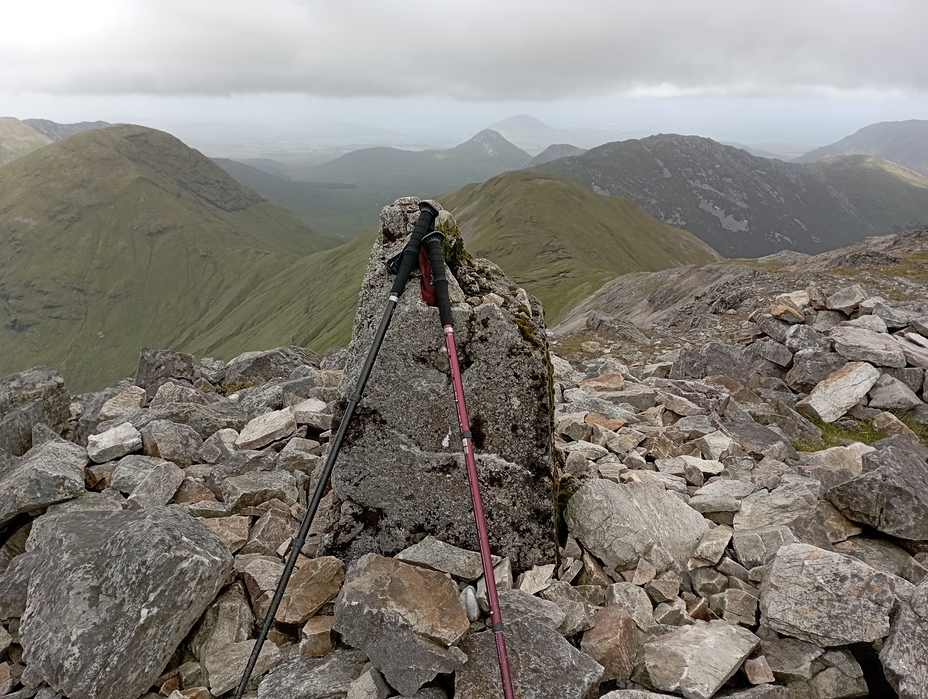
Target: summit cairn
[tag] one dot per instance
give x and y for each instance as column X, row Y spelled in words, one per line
column 401, row 473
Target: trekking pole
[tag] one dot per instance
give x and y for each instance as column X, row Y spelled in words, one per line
column 428, row 211
column 436, row 261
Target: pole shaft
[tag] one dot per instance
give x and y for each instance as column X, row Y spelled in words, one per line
column 496, row 617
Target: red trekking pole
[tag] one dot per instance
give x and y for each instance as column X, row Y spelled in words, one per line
column 436, row 262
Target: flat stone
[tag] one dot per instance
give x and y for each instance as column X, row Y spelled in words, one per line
column 825, row 598
column 405, row 618
column 712, row 546
column 314, row 583
column 254, row 488
column 327, row 677
column 158, row 486
column 869, row 322
column 437, row 555
column 772, row 327
column 772, row 351
column 839, row 392
column 697, row 660
column 790, row 659
column 113, row 443
column 891, row 495
column 889, row 393
column 48, row 473
column 516, row 604
column 535, row 580
column 122, row 405
column 759, row 440
column 862, row 345
column 539, row 659
column 266, row 428
column 224, row 666
column 131, row 470
column 618, row 523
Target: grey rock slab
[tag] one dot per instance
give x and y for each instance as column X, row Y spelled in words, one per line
column 804, row 337
column 256, row 368
column 328, row 677
column 891, row 495
column 224, row 665
column 256, row 487
column 618, row 523
column 266, row 428
column 124, row 588
column 811, row 367
column 760, row 441
column 228, row 620
column 756, row 547
column 172, row 441
column 132, row 470
column 697, row 660
column 48, row 473
column 405, row 618
column 33, row 396
column 157, row 487
column 834, row 465
column 219, row 446
column 543, row 665
column 773, row 351
column 889, row 393
column 516, row 604
column 825, row 598
column 905, row 649
column 437, row 555
column 178, row 393
column 839, row 391
column 862, row 345
column 847, row 299
column 156, row 366
column 790, row 659
column 712, row 358
column 869, row 322
column 114, row 443
column 205, row 419
column 577, row 615
column 635, row 601
column 122, row 405
column 44, row 527
column 772, row 327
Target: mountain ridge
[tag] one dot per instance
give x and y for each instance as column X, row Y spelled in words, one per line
column 903, row 142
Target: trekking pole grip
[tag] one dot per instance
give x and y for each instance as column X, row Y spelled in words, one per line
column 427, row 215
column 433, row 243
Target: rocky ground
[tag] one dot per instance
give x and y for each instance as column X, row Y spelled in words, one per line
column 743, row 517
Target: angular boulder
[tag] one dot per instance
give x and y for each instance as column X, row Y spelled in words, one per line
column 840, row 391
column 401, row 473
column 543, row 665
column 891, row 495
column 30, row 397
column 256, row 368
column 862, row 345
column 48, row 473
column 619, row 523
column 825, row 598
column 904, row 652
column 313, row 678
column 406, row 619
column 124, row 589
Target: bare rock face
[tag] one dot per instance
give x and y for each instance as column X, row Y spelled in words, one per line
column 401, row 473
column 406, row 619
column 825, row 598
column 619, row 522
column 27, row 398
column 49, row 473
column 696, row 660
column 542, row 663
column 891, row 495
column 112, row 596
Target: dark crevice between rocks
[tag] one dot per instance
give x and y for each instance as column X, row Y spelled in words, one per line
column 868, row 658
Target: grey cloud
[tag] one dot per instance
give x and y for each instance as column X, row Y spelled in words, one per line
column 480, row 50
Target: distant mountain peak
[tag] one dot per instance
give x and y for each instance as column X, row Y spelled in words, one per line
column 521, row 122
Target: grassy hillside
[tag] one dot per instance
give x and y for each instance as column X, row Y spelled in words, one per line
column 745, row 206
column 561, row 241
column 121, row 238
column 18, row 139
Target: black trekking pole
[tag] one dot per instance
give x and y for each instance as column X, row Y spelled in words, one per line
column 428, row 211
column 436, row 261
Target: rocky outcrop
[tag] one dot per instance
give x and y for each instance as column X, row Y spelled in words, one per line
column 401, row 472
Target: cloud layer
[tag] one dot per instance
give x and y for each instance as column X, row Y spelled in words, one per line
column 474, row 50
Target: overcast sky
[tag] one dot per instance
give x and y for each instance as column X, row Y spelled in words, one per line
column 760, row 71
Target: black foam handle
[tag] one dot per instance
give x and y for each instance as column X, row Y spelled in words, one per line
column 439, row 280
column 427, row 215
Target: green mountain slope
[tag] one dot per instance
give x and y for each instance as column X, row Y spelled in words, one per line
column 18, row 139
column 123, row 237
column 903, row 142
column 561, row 241
column 745, row 206
column 371, row 178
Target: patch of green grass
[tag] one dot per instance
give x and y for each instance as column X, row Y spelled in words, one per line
column 837, row 435
column 918, row 428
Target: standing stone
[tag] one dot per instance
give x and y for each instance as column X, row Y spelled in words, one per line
column 839, row 392
column 156, row 366
column 825, row 598
column 27, row 398
column 696, row 660
column 124, row 589
column 406, row 619
column 890, row 496
column 400, row 472
column 49, row 473
column 542, row 663
column 619, row 523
